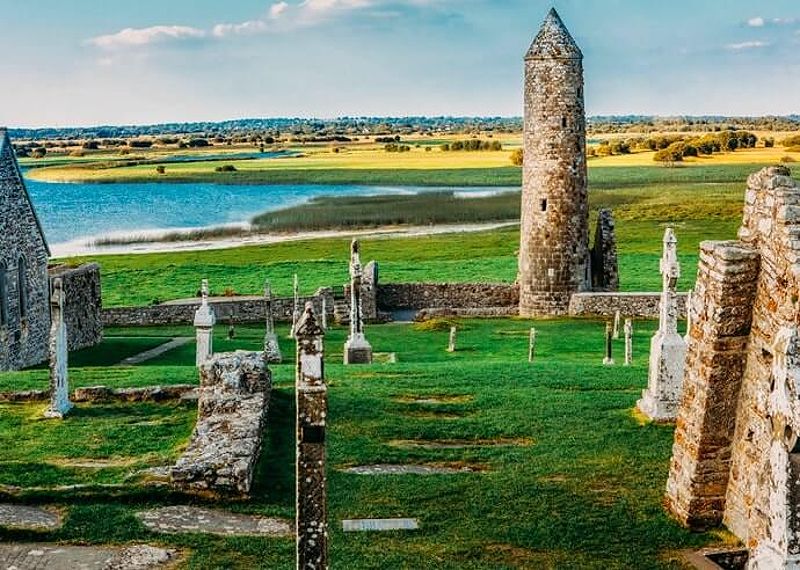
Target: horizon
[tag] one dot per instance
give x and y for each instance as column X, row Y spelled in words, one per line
column 198, row 61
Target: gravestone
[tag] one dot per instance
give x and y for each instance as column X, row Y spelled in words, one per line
column 532, row 345
column 272, row 350
column 295, row 305
column 617, row 318
column 59, row 353
column 312, row 412
column 379, row 525
column 204, row 321
column 689, row 317
column 667, row 349
column 609, row 358
column 451, row 344
column 357, row 349
column 628, row 342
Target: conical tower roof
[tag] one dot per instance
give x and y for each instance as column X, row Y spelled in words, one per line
column 554, row 41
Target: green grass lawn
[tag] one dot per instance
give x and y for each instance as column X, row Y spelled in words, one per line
column 582, row 489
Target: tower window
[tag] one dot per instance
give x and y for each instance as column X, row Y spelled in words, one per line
column 580, row 91
column 563, row 122
column 544, row 205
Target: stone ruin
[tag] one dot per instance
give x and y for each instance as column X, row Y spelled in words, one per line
column 235, row 390
column 736, row 455
column 555, row 261
column 357, row 349
column 59, row 354
column 312, row 417
column 667, row 349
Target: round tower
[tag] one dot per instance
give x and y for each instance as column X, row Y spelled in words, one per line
column 554, row 238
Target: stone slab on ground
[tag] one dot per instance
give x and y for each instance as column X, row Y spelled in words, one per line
column 186, row 519
column 379, row 525
column 390, row 469
column 30, row 518
column 39, row 556
column 156, row 352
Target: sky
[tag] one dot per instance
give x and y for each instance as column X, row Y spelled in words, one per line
column 90, row 62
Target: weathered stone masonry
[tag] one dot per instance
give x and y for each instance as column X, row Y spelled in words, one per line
column 83, row 299
column 24, row 286
column 734, row 456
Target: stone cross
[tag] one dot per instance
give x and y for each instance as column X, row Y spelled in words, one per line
column 356, row 350
column 628, row 342
column 312, row 412
column 451, row 345
column 59, row 375
column 667, row 349
column 617, row 318
column 609, row 358
column 272, row 349
column 204, row 321
column 295, row 305
column 532, row 345
column 324, row 312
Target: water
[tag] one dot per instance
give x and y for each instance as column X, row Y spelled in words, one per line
column 71, row 212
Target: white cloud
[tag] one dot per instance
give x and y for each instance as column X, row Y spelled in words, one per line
column 747, row 45
column 133, row 37
column 760, row 22
column 757, row 22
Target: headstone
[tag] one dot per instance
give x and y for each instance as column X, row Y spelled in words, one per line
column 609, row 358
column 689, row 301
column 295, row 305
column 667, row 349
column 231, row 332
column 617, row 318
column 628, row 342
column 204, row 321
column 312, row 412
column 451, row 345
column 532, row 345
column 357, row 349
column 324, row 312
column 379, row 525
column 272, row 349
column 59, row 374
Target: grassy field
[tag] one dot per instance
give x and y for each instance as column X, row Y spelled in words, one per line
column 701, row 203
column 578, row 483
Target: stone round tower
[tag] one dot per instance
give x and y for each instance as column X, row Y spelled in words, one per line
column 554, row 240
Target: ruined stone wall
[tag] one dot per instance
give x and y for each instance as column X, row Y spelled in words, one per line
column 554, row 235
column 637, row 305
column 731, row 448
column 241, row 310
column 605, row 270
column 83, row 304
column 224, row 448
column 716, row 353
column 445, row 295
column 23, row 337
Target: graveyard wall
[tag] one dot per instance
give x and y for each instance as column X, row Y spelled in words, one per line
column 445, row 295
column 83, row 303
column 638, row 305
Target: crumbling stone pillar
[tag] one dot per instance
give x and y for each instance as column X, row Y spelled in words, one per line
column 312, row 414
column 204, row 321
column 605, row 267
column 357, row 349
column 722, row 305
column 667, row 349
column 59, row 374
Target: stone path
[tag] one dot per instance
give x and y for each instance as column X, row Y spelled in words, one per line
column 156, row 352
column 184, row 519
column 389, row 469
column 31, row 518
column 379, row 525
column 43, row 556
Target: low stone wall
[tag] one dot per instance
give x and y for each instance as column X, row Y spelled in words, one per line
column 480, row 313
column 233, row 310
column 400, row 296
column 637, row 305
column 232, row 411
column 83, row 304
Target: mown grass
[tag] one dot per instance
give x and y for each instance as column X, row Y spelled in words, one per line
column 584, row 491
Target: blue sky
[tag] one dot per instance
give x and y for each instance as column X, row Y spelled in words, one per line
column 83, row 62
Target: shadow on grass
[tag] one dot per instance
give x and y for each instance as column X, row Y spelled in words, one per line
column 274, row 476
